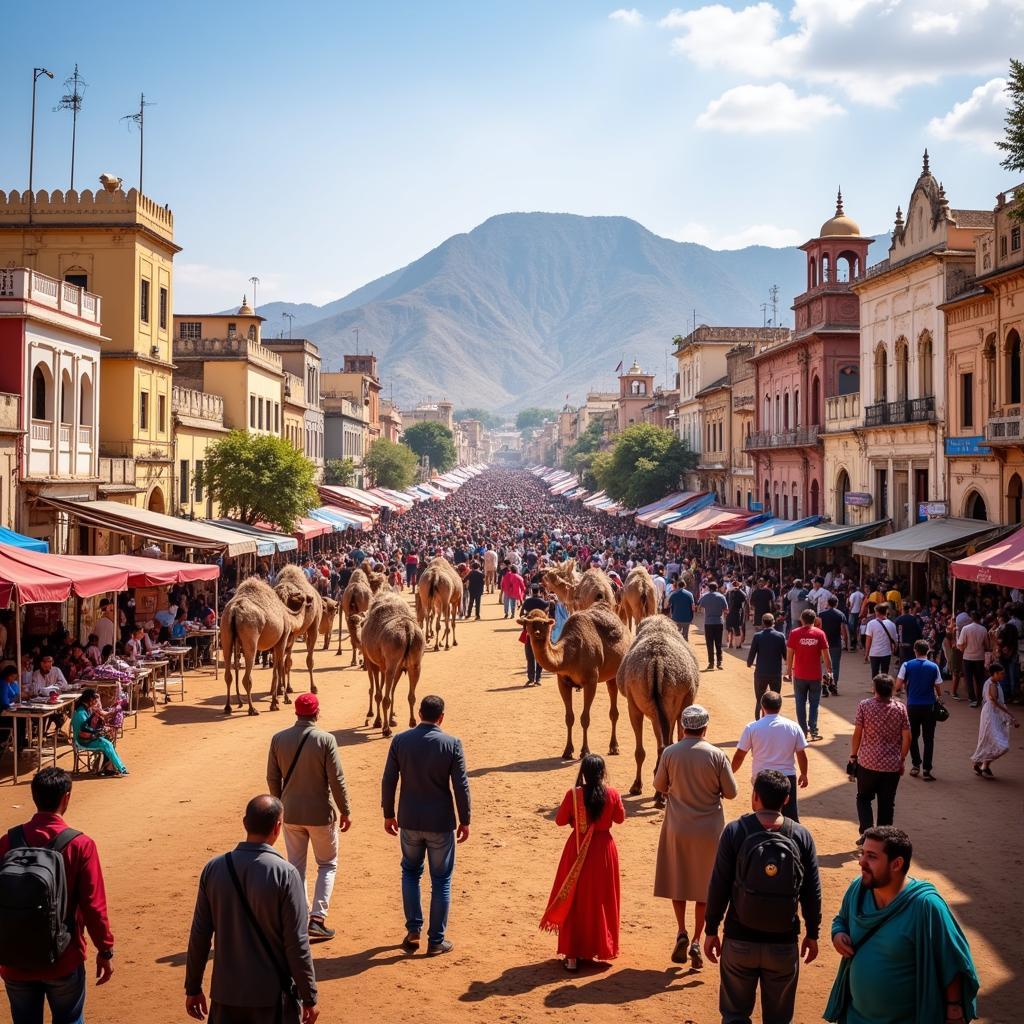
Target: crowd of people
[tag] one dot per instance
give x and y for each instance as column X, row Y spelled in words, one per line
column 754, row 883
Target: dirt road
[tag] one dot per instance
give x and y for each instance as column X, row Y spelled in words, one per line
column 193, row 770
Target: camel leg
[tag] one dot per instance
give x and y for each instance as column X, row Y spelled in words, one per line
column 455, row 643
column 378, row 691
column 636, row 719
column 589, row 693
column 310, row 648
column 351, row 635
column 565, row 692
column 228, row 654
column 613, row 715
column 390, row 683
column 250, row 657
column 413, row 671
column 369, row 704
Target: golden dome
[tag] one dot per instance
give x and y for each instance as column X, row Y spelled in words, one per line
column 840, row 224
column 245, row 309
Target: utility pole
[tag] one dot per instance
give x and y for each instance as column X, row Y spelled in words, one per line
column 139, row 118
column 773, row 297
column 36, row 72
column 290, row 317
column 355, row 331
column 72, row 100
column 254, row 281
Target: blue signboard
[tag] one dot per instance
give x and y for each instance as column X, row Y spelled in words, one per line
column 966, row 446
column 756, row 506
column 858, row 498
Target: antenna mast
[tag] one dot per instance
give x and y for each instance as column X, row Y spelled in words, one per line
column 72, row 100
column 773, row 298
column 139, row 118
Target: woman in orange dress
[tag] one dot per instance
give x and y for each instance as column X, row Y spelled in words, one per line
column 584, row 903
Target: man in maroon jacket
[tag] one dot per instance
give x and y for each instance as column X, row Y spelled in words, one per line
column 63, row 984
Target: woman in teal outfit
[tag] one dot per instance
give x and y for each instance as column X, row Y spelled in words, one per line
column 905, row 959
column 88, row 730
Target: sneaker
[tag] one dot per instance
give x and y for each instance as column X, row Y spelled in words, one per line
column 815, row 735
column 696, row 957
column 436, row 949
column 679, row 950
column 411, row 941
column 928, row 777
column 915, row 771
column 318, row 931
column 973, row 704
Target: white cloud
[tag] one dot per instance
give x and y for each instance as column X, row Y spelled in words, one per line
column 870, row 49
column 758, row 109
column 756, row 234
column 627, row 16
column 979, row 119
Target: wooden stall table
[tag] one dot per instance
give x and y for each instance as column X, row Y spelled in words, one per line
column 37, row 713
column 174, row 654
column 200, row 634
column 152, row 667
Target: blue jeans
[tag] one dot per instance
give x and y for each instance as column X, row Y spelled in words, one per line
column 66, row 997
column 439, row 850
column 836, row 654
column 853, row 624
column 509, row 606
column 807, row 691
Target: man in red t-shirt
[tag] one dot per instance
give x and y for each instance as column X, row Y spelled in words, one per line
column 62, row 985
column 806, row 650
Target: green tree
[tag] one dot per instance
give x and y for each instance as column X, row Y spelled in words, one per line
column 488, row 419
column 533, row 417
column 1013, row 142
column 433, row 440
column 390, row 464
column 260, row 478
column 340, row 472
column 579, row 456
column 646, row 463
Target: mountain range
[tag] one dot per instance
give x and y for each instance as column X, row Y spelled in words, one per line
column 529, row 307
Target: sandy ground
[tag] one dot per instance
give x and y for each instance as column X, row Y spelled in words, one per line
column 193, row 770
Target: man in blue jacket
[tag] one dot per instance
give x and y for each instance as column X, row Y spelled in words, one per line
column 432, row 767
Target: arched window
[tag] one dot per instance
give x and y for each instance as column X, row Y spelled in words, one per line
column 796, row 501
column 738, row 505
column 785, row 411
column 776, row 498
column 849, row 379
column 814, row 498
column 796, row 407
column 42, row 397
column 156, row 500
column 1013, row 368
column 785, row 505
column 767, row 497
column 1013, row 499
column 766, row 423
column 778, row 413
column 826, row 268
column 815, row 410
column 67, row 398
column 812, row 273
column 974, row 506
column 926, row 365
column 847, row 266
column 85, row 401
column 902, row 362
column 252, row 332
column 881, row 375
column 842, row 489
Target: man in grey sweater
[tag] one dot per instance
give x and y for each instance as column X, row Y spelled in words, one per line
column 263, row 967
column 304, row 771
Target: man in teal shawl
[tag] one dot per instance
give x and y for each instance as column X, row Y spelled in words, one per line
column 905, row 959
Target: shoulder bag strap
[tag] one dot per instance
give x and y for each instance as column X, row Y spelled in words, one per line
column 62, row 840
column 282, row 976
column 16, row 837
column 893, row 640
column 874, row 928
column 295, row 760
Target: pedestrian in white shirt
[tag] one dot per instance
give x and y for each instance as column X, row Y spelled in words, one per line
column 973, row 640
column 775, row 743
column 854, row 604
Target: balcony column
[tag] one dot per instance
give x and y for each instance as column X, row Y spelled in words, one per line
column 76, row 413
column 890, row 505
column 55, row 416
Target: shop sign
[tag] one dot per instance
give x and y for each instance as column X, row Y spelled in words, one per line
column 858, row 498
column 756, row 506
column 932, row 509
column 966, row 446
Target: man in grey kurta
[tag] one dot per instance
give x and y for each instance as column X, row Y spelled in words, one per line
column 310, row 755
column 694, row 776
column 247, row 983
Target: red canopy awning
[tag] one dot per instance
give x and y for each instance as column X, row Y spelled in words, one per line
column 1002, row 563
column 710, row 522
column 307, row 529
column 44, row 578
column 151, row 572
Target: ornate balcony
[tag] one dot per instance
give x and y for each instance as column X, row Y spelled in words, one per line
column 907, row 410
column 1006, row 429
column 842, row 412
column 802, row 437
column 741, row 461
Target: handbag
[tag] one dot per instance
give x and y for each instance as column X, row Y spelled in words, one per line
column 940, row 712
column 524, row 637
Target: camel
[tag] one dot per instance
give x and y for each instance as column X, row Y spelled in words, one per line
column 439, row 595
column 392, row 643
column 592, row 644
column 659, row 677
column 291, row 580
column 638, row 597
column 256, row 620
column 327, row 622
column 354, row 601
column 562, row 581
column 578, row 592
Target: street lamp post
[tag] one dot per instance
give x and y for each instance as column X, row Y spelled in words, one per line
column 36, row 72
column 254, row 281
column 290, row 317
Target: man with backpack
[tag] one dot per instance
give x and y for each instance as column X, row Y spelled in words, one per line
column 51, row 892
column 766, row 869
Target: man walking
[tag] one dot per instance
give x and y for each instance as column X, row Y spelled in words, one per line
column 923, row 682
column 680, row 607
column 29, row 975
column 475, row 590
column 766, row 868
column 252, row 899
column 833, row 625
column 534, row 603
column 973, row 641
column 807, row 649
column 881, row 641
column 304, row 771
column 513, row 590
column 878, row 751
column 854, row 603
column 913, row 962
column 767, row 654
column 714, row 606
column 775, row 744
column 432, row 767
column 762, row 600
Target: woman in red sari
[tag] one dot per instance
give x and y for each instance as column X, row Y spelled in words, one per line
column 584, row 903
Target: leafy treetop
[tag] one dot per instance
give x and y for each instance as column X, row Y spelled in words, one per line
column 533, row 417
column 433, row 440
column 389, row 464
column 646, row 463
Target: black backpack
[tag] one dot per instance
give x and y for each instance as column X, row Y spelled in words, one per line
column 35, row 922
column 769, row 874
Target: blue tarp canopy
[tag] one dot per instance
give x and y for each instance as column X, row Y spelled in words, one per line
column 697, row 505
column 268, row 542
column 743, row 542
column 823, row 535
column 333, row 517
column 18, row 540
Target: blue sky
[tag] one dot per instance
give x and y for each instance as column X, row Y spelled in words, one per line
column 320, row 145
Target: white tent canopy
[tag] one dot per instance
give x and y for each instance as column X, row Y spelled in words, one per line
column 914, row 543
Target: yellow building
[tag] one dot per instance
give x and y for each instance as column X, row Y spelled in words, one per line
column 222, row 354
column 119, row 245
column 198, row 423
column 302, row 408
column 10, row 441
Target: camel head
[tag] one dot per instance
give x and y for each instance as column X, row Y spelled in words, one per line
column 355, row 625
column 293, row 598
column 376, row 580
column 330, row 610
column 537, row 624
